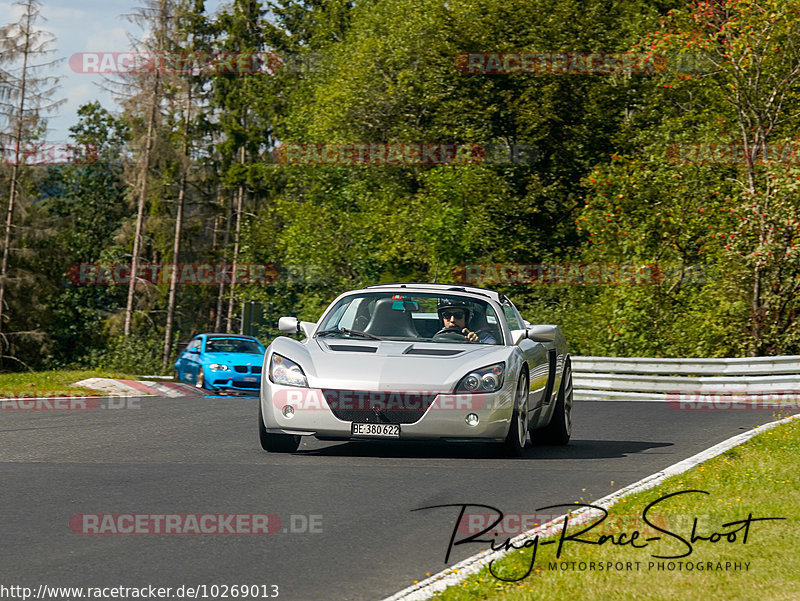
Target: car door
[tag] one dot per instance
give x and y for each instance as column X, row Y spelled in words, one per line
column 180, row 364
column 192, row 359
column 541, row 362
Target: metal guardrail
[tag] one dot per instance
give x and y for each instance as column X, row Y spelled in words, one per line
column 747, row 366
column 647, row 379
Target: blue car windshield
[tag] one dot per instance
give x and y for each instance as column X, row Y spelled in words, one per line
column 424, row 317
column 232, row 345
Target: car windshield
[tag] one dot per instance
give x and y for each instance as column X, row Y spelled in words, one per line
column 232, row 345
column 424, row 317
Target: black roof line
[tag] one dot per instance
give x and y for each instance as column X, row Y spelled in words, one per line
column 453, row 287
column 224, row 335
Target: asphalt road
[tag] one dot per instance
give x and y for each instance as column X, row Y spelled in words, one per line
column 201, row 455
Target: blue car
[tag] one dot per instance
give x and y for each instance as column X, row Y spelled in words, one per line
column 221, row 362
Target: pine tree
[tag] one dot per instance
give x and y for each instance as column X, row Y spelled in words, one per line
column 155, row 15
column 26, row 96
column 194, row 30
column 241, row 31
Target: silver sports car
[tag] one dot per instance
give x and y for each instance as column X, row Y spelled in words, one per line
column 417, row 362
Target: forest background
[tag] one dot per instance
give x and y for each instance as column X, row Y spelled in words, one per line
column 686, row 168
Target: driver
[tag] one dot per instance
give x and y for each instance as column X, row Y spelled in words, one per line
column 455, row 313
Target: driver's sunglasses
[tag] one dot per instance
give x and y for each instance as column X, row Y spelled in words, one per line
column 456, row 314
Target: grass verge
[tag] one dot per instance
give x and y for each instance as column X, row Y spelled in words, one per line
column 758, row 478
column 52, row 383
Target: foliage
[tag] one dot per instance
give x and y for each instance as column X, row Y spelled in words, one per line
column 738, row 220
column 607, row 179
column 130, row 354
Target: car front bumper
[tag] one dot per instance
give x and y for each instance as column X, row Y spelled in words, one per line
column 227, row 381
column 444, row 419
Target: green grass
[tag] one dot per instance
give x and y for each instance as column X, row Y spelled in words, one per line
column 758, row 477
column 52, row 383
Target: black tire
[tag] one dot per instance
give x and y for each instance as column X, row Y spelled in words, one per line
column 517, row 437
column 175, row 375
column 559, row 430
column 275, row 443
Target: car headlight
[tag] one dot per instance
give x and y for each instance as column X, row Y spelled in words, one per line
column 219, row 367
column 284, row 371
column 485, row 379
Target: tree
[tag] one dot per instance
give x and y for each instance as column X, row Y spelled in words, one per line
column 26, row 96
column 85, row 206
column 155, row 13
column 710, row 189
column 237, row 100
column 755, row 50
column 194, row 31
column 386, row 73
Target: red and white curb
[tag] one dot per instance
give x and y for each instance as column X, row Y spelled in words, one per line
column 425, row 589
column 116, row 387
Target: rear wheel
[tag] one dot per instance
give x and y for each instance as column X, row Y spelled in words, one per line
column 559, row 429
column 275, row 443
column 517, row 436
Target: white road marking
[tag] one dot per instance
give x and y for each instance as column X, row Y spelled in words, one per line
column 425, row 589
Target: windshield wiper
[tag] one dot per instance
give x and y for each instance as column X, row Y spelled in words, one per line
column 349, row 333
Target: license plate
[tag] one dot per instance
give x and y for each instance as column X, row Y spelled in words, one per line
column 376, row 430
column 250, row 379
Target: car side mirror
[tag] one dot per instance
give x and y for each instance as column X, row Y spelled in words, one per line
column 289, row 325
column 194, row 351
column 537, row 333
column 541, row 333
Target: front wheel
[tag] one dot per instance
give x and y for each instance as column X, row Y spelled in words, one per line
column 517, row 437
column 275, row 443
column 559, row 430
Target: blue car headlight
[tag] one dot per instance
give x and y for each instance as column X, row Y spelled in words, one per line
column 485, row 379
column 285, row 371
column 219, row 367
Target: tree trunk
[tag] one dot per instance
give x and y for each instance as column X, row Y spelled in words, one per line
column 176, row 243
column 6, row 247
column 756, row 308
column 12, row 196
column 140, row 209
column 144, row 180
column 221, row 292
column 236, row 240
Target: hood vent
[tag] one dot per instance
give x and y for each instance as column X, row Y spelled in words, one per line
column 353, row 348
column 434, row 352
